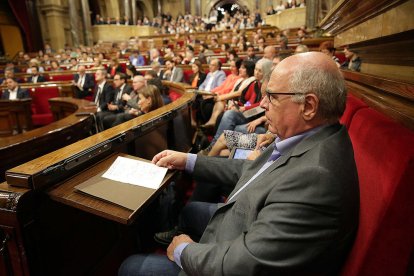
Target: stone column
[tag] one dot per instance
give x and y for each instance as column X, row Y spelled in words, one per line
column 74, row 26
column 87, row 25
column 159, row 7
column 134, row 12
column 55, row 17
column 312, row 10
column 127, row 9
column 198, row 8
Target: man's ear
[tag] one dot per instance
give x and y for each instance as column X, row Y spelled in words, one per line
column 310, row 106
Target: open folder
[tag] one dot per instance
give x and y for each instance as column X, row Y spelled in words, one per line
column 130, row 196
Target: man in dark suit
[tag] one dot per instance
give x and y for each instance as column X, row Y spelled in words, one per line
column 102, row 96
column 13, row 91
column 294, row 210
column 121, row 87
column 36, row 77
column 82, row 83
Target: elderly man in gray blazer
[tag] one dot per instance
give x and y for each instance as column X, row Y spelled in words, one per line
column 294, row 210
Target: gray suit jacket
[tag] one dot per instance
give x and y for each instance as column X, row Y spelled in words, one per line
column 177, row 76
column 298, row 217
column 219, row 77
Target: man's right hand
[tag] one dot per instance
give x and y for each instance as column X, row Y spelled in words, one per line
column 170, row 159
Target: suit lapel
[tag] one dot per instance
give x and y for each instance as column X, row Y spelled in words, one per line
column 305, row 145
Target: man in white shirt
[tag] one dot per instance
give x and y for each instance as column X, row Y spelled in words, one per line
column 13, row 91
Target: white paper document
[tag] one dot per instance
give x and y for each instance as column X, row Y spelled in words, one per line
column 136, row 172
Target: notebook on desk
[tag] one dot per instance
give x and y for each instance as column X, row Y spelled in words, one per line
column 113, row 184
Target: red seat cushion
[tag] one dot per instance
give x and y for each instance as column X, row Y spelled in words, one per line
column 384, row 155
column 40, row 104
column 174, row 95
column 352, row 105
column 187, row 75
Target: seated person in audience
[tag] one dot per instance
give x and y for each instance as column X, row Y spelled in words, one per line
column 121, row 87
column 156, row 66
column 131, row 71
column 172, row 72
column 168, row 53
column 204, row 53
column 11, row 65
column 269, row 52
column 55, row 67
column 46, row 59
column 73, row 64
column 353, row 61
column 251, row 56
column 294, row 210
column 189, row 57
column 83, row 83
column 214, row 78
column 114, row 68
column 301, row 35
column 155, row 57
column 35, row 62
column 241, row 77
column 152, row 78
column 35, row 76
column 8, row 73
column 198, row 76
column 230, row 139
column 103, row 94
column 130, row 104
column 248, row 99
column 149, row 98
column 14, row 91
column 301, row 49
column 136, row 59
column 327, row 47
column 85, row 58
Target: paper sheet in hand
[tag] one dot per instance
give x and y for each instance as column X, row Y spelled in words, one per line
column 136, row 172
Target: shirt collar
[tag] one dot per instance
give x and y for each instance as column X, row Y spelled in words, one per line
column 102, row 85
column 284, row 146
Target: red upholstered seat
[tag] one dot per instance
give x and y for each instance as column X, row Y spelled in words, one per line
column 187, row 75
column 42, row 114
column 174, row 95
column 384, row 154
column 353, row 104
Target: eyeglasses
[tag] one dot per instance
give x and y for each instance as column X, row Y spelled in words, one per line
column 271, row 95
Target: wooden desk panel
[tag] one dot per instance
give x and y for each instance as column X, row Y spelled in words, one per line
column 67, row 194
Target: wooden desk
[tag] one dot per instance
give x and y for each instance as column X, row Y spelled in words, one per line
column 67, row 194
column 18, row 149
column 15, row 116
column 37, row 221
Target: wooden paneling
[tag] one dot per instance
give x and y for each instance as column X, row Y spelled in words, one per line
column 393, row 98
column 15, row 150
column 15, row 116
column 395, row 49
column 349, row 13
